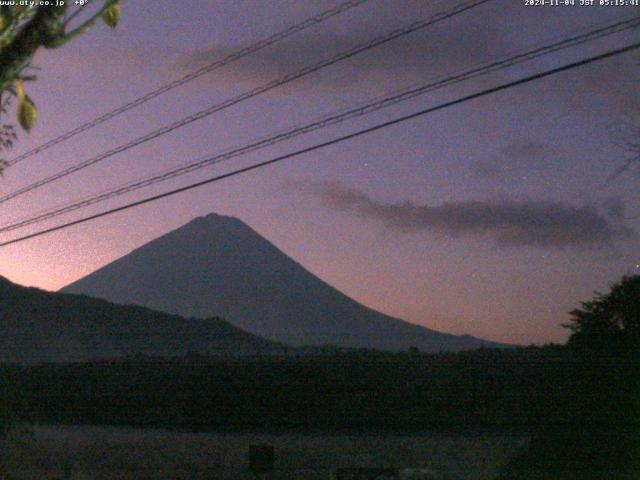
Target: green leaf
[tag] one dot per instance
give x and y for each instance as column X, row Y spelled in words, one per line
column 19, row 90
column 111, row 15
column 27, row 113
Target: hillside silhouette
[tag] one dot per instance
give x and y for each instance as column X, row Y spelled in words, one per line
column 40, row 326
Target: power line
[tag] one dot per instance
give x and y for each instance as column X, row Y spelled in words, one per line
column 309, row 22
column 354, row 112
column 382, row 102
column 334, row 141
column 398, row 33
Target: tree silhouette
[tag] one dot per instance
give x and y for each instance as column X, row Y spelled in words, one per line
column 591, row 433
column 609, row 322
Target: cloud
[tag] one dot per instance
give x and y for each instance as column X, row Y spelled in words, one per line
column 517, row 156
column 421, row 55
column 528, row 223
column 584, row 93
column 525, row 148
column 451, row 46
column 614, row 206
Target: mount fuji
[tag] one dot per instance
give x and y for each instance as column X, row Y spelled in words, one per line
column 219, row 266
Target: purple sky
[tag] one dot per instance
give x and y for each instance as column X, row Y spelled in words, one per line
column 491, row 218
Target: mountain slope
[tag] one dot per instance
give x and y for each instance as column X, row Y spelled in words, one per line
column 217, row 265
column 40, row 326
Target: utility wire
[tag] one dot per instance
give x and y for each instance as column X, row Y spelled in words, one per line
column 482, row 93
column 321, row 17
column 398, row 33
column 354, row 112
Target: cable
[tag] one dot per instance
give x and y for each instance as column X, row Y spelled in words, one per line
column 321, row 17
column 334, row 141
column 252, row 93
column 381, row 102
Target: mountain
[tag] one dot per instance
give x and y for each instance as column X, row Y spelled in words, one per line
column 40, row 326
column 217, row 265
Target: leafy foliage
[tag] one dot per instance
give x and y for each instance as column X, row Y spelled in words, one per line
column 7, row 137
column 111, row 15
column 610, row 321
column 26, row 109
column 23, row 30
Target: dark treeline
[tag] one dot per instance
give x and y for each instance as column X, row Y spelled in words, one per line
column 525, row 388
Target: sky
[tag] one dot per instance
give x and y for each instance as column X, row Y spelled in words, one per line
column 494, row 217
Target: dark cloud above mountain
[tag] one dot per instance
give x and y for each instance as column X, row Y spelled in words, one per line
column 526, row 148
column 418, row 56
column 530, row 223
column 519, row 156
column 448, row 48
column 614, row 206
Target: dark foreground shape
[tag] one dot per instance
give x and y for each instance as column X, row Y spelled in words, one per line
column 358, row 473
column 597, row 426
column 39, row 326
column 261, row 459
column 578, row 454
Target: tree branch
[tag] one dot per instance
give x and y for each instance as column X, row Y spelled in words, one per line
column 64, row 38
column 18, row 53
column 73, row 15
